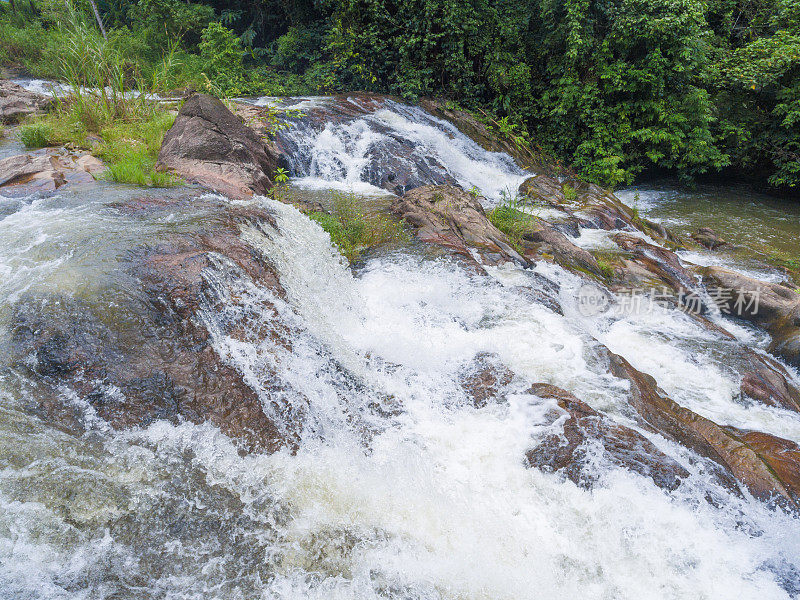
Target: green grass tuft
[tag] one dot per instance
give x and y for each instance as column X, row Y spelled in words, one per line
column 37, row 135
column 510, row 218
column 131, row 150
column 606, row 270
column 353, row 230
column 570, row 193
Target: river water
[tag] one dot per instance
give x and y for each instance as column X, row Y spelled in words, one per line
column 435, row 500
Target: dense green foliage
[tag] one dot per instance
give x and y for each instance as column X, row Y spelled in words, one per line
column 109, row 110
column 615, row 89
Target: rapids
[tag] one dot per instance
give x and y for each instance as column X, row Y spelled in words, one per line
column 399, row 487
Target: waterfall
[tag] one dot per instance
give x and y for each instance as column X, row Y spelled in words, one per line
column 398, row 485
column 357, row 146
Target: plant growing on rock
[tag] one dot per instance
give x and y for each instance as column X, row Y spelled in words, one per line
column 570, row 193
column 130, row 149
column 510, row 217
column 354, row 229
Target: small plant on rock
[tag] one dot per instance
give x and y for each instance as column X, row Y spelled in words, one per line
column 511, row 218
column 353, row 229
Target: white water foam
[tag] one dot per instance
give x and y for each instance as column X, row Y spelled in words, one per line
column 341, row 152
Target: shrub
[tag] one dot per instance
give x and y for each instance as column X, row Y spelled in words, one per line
column 570, row 193
column 223, row 55
column 161, row 22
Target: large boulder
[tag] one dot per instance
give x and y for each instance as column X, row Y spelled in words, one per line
column 772, row 306
column 211, row 146
column 585, row 430
column 153, row 356
column 451, row 217
column 16, row 102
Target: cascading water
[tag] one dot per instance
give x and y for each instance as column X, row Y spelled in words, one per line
column 356, row 145
column 399, row 486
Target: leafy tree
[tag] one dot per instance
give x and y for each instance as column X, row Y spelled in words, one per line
column 223, row 54
column 161, row 21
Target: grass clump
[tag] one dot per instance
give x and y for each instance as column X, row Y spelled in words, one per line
column 606, row 269
column 131, row 149
column 510, row 217
column 37, row 135
column 570, row 193
column 353, row 230
column 109, row 110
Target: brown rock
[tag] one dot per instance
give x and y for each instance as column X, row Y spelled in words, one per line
column 16, row 102
column 449, row 216
column 769, row 385
column 543, row 238
column 209, row 145
column 707, row 237
column 758, row 471
column 542, row 189
column 23, row 167
column 158, row 362
column 665, row 272
column 621, row 445
column 485, row 378
column 89, row 163
column 46, row 170
column 773, row 306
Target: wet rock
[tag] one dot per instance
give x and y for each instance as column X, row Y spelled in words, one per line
column 770, row 387
column 394, row 163
column 708, row 238
column 485, row 378
column 543, row 190
column 664, row 271
column 210, row 146
column 542, row 238
column 569, row 228
column 544, row 292
column 782, row 456
column 586, row 430
column 307, row 207
column 601, row 209
column 451, row 217
column 152, row 357
column 16, row 102
column 772, row 306
column 485, row 136
column 757, row 466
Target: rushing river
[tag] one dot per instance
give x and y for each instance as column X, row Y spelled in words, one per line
column 432, row 500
